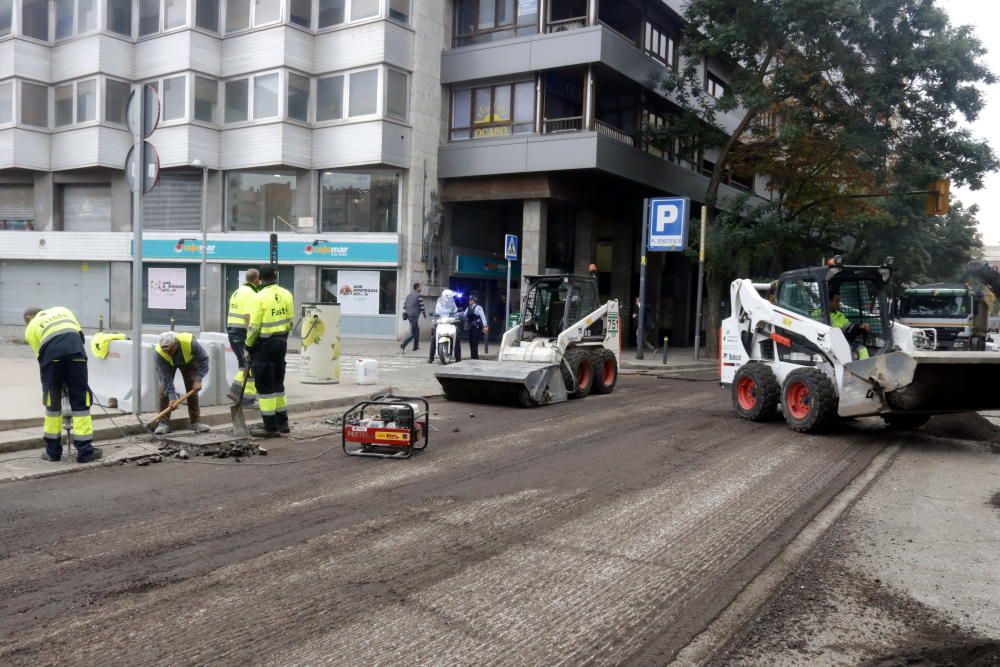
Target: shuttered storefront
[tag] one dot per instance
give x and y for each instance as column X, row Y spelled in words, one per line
column 17, row 206
column 175, row 203
column 86, row 208
column 83, row 287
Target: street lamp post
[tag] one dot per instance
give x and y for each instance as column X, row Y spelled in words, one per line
column 202, row 300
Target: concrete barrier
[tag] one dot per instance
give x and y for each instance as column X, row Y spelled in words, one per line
column 227, row 350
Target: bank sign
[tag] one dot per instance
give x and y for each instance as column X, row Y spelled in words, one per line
column 668, row 223
column 312, row 251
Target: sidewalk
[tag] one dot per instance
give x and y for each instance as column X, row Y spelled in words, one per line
column 678, row 358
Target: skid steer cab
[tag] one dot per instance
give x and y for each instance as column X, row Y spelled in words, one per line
column 822, row 344
column 566, row 346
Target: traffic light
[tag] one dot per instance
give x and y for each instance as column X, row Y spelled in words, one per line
column 939, row 197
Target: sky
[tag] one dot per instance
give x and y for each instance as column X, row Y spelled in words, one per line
column 982, row 14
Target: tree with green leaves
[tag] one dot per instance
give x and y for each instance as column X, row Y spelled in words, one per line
column 829, row 100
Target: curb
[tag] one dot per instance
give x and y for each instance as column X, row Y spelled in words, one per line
column 105, row 429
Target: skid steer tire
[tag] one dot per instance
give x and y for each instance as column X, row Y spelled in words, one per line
column 905, row 422
column 808, row 400
column 756, row 392
column 605, row 367
column 579, row 383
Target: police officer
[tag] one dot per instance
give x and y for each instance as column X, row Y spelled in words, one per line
column 267, row 342
column 180, row 351
column 240, row 304
column 476, row 318
column 56, row 339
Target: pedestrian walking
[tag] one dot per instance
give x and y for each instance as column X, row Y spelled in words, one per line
column 56, row 338
column 649, row 324
column 237, row 323
column 267, row 343
column 476, row 318
column 180, row 351
column 413, row 309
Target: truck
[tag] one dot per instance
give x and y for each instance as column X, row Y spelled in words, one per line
column 948, row 308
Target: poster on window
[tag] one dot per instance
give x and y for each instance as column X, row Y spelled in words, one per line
column 168, row 289
column 357, row 292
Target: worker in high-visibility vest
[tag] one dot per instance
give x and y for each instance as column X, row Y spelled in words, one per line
column 267, row 343
column 180, row 351
column 56, row 338
column 237, row 323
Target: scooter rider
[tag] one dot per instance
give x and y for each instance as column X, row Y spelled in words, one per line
column 445, row 307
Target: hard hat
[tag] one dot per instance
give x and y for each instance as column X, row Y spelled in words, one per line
column 167, row 338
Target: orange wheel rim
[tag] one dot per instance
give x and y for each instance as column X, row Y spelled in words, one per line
column 609, row 372
column 746, row 392
column 799, row 400
column 584, row 375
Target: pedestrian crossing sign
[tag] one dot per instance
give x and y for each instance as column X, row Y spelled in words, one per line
column 510, row 247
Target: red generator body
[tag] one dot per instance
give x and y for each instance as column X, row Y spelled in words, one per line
column 387, row 427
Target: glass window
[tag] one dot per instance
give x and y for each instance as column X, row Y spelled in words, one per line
column 359, row 201
column 120, row 17
column 364, row 93
column 331, row 12
column 461, row 114
column 524, row 108
column 330, row 98
column 174, row 13
column 265, row 96
column 801, row 296
column 301, row 12
column 362, row 9
column 34, row 104
column 715, row 86
column 395, row 97
column 501, row 104
column 6, row 16
column 187, row 316
column 487, row 14
column 298, row 97
column 35, row 19
column 6, row 102
column 149, row 17
column 256, row 200
column 115, row 100
column 237, row 15
column 505, row 12
column 490, row 20
column 175, row 202
column 64, row 105
column 399, row 10
column 207, row 15
column 206, row 99
column 328, row 281
column 86, row 101
column 173, row 98
column 237, row 100
column 86, row 16
column 266, row 11
column 64, row 18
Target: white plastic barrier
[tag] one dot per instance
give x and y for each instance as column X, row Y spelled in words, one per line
column 111, row 378
column 231, row 366
column 215, row 386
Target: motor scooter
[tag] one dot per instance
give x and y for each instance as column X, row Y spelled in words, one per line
column 446, row 333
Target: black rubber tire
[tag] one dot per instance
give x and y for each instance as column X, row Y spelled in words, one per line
column 820, row 406
column 765, row 392
column 605, row 367
column 905, row 422
column 579, row 385
column 442, row 354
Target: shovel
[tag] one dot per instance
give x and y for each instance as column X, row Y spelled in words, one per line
column 170, row 409
column 240, row 429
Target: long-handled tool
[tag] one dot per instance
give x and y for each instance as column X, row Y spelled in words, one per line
column 170, row 408
column 240, row 429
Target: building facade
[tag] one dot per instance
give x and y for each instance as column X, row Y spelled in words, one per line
column 385, row 141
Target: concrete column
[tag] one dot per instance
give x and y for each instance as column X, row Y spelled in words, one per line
column 121, row 203
column 543, row 15
column 215, row 210
column 120, row 305
column 624, row 264
column 592, row 12
column 215, row 297
column 534, row 230
column 589, row 101
column 306, row 286
column 44, row 198
column 584, row 253
column 539, row 104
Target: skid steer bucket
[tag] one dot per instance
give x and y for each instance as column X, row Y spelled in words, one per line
column 512, row 382
column 934, row 381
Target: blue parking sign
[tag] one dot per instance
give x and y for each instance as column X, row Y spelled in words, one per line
column 668, row 224
column 510, row 247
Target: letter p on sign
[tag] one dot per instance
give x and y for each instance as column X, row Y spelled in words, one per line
column 668, row 223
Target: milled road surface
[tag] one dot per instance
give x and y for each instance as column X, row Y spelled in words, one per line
column 607, row 530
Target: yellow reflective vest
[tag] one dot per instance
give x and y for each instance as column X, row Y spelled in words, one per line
column 48, row 323
column 272, row 314
column 240, row 305
column 185, row 340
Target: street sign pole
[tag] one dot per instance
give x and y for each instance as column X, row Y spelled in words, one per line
column 506, row 310
column 138, row 165
column 640, row 334
column 701, row 282
column 510, row 253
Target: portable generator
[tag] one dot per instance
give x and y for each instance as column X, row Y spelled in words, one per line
column 388, row 427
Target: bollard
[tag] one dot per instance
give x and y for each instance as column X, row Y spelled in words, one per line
column 100, row 323
column 666, row 339
column 172, row 321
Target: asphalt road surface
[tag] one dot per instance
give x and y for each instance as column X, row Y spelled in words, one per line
column 608, row 530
